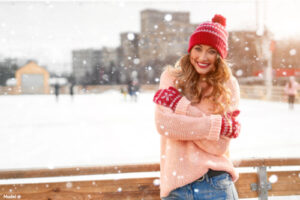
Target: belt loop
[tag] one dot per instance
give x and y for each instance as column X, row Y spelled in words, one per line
column 207, row 178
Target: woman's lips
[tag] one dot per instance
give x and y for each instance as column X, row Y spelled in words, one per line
column 202, row 65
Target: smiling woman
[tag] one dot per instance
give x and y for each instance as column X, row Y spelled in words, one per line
column 197, row 106
column 203, row 58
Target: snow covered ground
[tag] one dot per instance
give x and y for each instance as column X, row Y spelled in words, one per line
column 104, row 129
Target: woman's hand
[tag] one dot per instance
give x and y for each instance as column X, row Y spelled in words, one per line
column 230, row 126
column 167, row 97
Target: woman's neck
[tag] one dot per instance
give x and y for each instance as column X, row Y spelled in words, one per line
column 202, row 78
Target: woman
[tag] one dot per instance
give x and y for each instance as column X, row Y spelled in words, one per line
column 290, row 90
column 196, row 116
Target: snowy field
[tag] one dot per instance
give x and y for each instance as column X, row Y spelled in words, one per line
column 104, row 129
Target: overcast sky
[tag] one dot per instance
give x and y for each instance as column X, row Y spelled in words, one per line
column 48, row 30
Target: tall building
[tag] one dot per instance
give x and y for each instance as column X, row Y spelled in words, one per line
column 164, row 38
column 109, row 70
column 164, row 34
column 86, row 64
column 129, row 55
column 130, row 49
column 244, row 54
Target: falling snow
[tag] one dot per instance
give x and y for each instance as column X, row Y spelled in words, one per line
column 284, row 73
column 239, row 72
column 273, row 178
column 136, row 61
column 130, row 36
column 156, row 182
column 69, row 185
column 168, row 17
column 293, row 52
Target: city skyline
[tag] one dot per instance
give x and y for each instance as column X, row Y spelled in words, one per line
column 49, row 31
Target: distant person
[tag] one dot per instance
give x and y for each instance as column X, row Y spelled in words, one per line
column 135, row 89
column 56, row 90
column 124, row 92
column 71, row 90
column 129, row 88
column 290, row 90
column 132, row 90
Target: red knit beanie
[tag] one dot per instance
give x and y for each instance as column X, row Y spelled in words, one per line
column 213, row 34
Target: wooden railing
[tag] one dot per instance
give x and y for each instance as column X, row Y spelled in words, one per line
column 260, row 92
column 249, row 185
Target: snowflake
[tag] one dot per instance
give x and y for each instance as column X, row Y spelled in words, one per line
column 167, row 96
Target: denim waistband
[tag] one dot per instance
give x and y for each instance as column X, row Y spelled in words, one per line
column 211, row 173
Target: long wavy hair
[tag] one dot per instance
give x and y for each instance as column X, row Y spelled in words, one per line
column 187, row 82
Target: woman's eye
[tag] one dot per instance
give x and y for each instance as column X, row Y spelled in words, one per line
column 212, row 52
column 198, row 48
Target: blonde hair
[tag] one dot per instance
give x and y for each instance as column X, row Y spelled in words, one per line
column 187, row 79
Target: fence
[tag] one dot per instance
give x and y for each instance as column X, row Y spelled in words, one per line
column 260, row 92
column 249, row 185
column 247, row 91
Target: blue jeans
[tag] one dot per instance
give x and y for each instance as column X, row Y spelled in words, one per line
column 219, row 187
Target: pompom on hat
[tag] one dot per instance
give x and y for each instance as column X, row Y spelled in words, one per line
column 212, row 33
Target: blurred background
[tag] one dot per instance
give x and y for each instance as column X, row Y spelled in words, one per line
column 96, row 43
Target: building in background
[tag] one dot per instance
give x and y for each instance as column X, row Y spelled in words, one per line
column 129, row 49
column 244, row 54
column 164, row 34
column 32, row 79
column 109, row 68
column 86, row 66
column 164, row 38
column 8, row 68
column 129, row 55
column 96, row 66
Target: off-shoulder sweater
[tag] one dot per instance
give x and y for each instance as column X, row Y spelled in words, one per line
column 190, row 142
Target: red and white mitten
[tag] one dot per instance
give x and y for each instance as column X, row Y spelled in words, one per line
column 230, row 126
column 167, row 97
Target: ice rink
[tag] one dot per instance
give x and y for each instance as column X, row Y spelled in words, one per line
column 36, row 131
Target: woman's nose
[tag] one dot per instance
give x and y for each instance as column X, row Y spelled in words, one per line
column 202, row 56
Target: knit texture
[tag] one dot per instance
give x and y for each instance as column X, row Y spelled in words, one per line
column 167, row 97
column 212, row 33
column 190, row 139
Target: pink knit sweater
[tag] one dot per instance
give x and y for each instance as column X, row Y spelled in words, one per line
column 190, row 139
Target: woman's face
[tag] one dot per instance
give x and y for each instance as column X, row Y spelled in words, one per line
column 203, row 58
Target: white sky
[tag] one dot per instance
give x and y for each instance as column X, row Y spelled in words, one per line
column 49, row 30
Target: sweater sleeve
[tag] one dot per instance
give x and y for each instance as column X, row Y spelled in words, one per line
column 182, row 127
column 221, row 146
column 234, row 87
